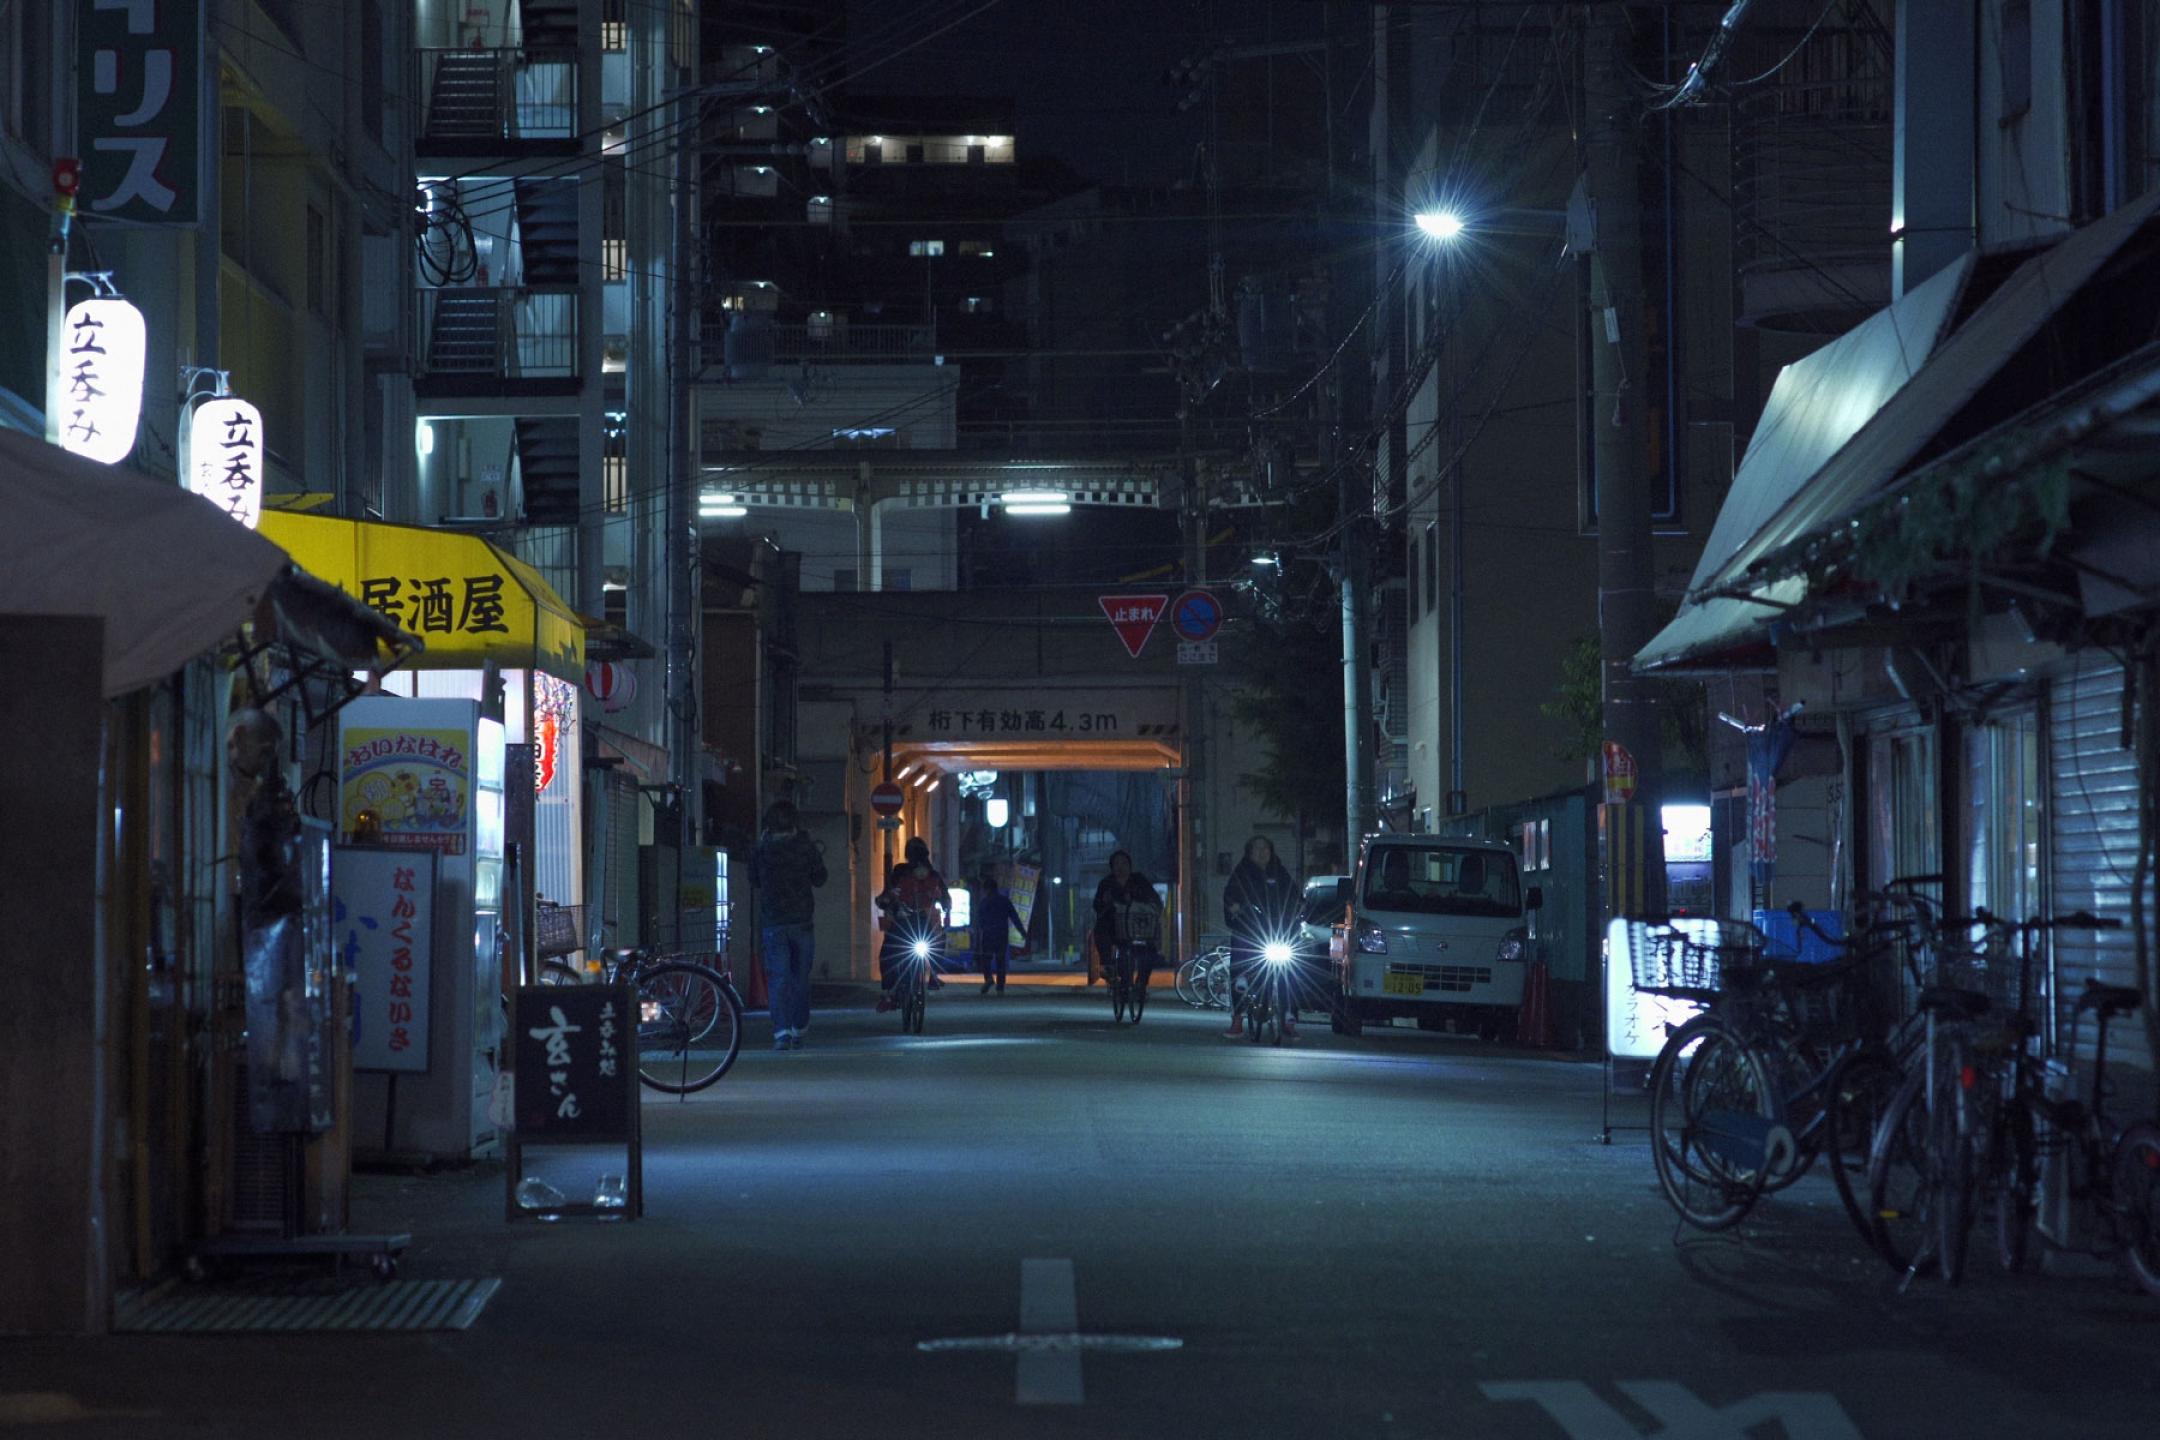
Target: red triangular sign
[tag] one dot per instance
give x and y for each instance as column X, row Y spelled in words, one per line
column 1134, row 617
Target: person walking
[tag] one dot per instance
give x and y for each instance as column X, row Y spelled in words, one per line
column 995, row 917
column 915, row 903
column 1260, row 903
column 785, row 869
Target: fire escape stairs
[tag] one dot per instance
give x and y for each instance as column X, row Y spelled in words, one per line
column 465, row 101
column 548, row 463
column 547, row 216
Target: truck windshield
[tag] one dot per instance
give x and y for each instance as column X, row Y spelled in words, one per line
column 1441, row 880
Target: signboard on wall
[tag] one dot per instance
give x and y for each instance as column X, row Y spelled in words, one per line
column 969, row 713
column 138, row 109
column 405, row 788
column 382, row 924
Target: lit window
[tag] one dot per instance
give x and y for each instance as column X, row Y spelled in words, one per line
column 615, row 479
column 926, row 247
column 976, row 305
column 614, row 35
column 820, row 210
column 614, row 260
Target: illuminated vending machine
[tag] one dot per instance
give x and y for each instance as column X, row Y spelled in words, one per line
column 422, row 777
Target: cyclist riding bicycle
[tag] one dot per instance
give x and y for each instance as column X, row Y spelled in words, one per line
column 1128, row 927
column 915, row 902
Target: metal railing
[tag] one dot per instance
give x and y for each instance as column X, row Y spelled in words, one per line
column 504, row 332
column 850, row 342
column 479, row 97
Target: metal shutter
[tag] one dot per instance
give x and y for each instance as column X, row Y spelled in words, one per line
column 2092, row 842
column 619, row 908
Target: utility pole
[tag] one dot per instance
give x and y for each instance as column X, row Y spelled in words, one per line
column 1355, row 501
column 1627, row 572
column 682, row 550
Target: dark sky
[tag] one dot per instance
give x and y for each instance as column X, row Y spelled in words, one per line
column 1087, row 74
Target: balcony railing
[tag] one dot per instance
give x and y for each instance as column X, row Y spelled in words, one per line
column 479, row 332
column 851, row 342
column 479, row 100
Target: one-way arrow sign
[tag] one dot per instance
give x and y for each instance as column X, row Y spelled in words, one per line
column 1134, row 617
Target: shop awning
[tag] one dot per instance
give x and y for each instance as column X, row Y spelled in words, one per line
column 170, row 573
column 469, row 600
column 1848, row 420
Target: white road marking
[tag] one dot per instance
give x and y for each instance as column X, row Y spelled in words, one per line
column 1577, row 1409
column 1048, row 1306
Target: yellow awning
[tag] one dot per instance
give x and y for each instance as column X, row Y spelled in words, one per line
column 466, row 598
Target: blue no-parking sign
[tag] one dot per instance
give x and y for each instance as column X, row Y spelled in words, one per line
column 1196, row 616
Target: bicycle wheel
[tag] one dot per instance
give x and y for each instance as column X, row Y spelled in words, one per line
column 1955, row 1174
column 1902, row 1179
column 689, row 1026
column 2013, row 1182
column 559, row 972
column 1712, row 1113
column 1181, row 981
column 1139, row 1001
column 2137, row 1204
column 1856, row 1095
column 1119, row 983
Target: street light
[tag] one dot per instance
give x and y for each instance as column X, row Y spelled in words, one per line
column 1036, row 502
column 721, row 507
column 1440, row 224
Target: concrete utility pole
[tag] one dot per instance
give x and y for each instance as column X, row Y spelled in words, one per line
column 1356, row 518
column 1627, row 572
column 682, row 550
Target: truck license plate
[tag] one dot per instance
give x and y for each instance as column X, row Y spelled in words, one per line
column 1397, row 983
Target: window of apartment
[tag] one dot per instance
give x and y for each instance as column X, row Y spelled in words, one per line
column 318, row 262
column 820, row 210
column 915, row 153
column 614, row 260
column 2014, row 56
column 615, row 483
column 1432, row 565
column 921, row 248
column 873, row 152
column 614, row 24
column 977, row 247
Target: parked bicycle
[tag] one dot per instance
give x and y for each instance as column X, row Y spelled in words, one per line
column 1784, row 1066
column 689, row 1011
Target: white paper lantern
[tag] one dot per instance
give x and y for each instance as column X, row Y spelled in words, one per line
column 225, row 457
column 101, row 378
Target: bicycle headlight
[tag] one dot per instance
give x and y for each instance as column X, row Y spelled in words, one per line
column 922, row 949
column 1276, row 952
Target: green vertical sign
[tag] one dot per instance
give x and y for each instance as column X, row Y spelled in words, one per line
column 138, row 109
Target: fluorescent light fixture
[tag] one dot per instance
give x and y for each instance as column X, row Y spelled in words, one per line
column 1264, row 562
column 1035, row 497
column 1038, row 509
column 998, row 813
column 722, row 512
column 424, row 438
column 1440, row 224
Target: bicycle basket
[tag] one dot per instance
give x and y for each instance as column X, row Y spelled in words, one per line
column 1691, row 962
column 558, row 930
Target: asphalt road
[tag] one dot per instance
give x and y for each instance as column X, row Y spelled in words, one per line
column 1407, row 1235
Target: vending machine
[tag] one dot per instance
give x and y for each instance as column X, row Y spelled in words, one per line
column 423, row 775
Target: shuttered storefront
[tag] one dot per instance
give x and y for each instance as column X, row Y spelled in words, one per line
column 2092, row 834
column 619, row 859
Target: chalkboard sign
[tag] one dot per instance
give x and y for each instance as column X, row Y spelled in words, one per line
column 576, row 1069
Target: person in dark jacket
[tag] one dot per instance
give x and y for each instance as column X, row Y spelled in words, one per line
column 786, row 868
column 1260, row 903
column 1125, row 946
column 994, row 917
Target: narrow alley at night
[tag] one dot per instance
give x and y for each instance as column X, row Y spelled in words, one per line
column 964, row 718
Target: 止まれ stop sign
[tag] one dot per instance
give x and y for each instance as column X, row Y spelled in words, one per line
column 885, row 798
